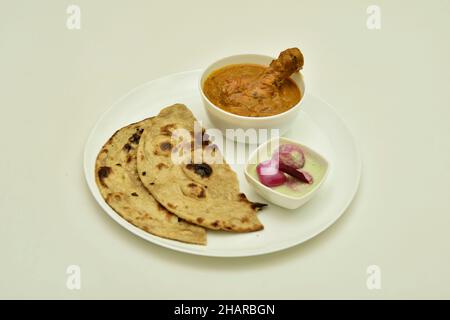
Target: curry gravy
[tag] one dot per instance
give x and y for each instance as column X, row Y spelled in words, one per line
column 239, row 89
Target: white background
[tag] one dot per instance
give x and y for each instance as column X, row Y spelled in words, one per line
column 390, row 85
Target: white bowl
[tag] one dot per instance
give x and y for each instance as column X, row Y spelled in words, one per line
column 226, row 120
column 262, row 153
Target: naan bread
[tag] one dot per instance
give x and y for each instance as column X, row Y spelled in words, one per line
column 206, row 194
column 118, row 181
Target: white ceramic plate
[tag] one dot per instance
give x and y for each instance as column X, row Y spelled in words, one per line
column 317, row 126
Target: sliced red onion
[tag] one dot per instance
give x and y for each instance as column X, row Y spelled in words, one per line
column 290, row 155
column 269, row 175
column 297, row 173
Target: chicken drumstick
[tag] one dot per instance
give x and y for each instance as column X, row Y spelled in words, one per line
column 251, row 93
column 288, row 62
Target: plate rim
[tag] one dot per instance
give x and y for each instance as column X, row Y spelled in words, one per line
column 170, row 244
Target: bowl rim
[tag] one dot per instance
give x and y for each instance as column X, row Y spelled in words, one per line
column 292, row 109
column 282, row 195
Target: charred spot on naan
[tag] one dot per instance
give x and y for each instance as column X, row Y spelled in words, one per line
column 161, row 165
column 168, row 129
column 258, row 205
column 215, row 224
column 165, row 146
column 254, row 205
column 114, row 196
column 206, row 139
column 200, row 138
column 103, row 173
column 204, row 170
column 127, row 147
column 193, row 190
column 135, row 138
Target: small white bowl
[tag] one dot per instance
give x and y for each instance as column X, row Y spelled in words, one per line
column 226, row 120
column 263, row 152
